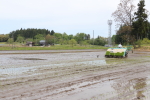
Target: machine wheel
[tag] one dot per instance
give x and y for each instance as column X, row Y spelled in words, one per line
column 111, row 56
column 126, row 55
column 106, row 56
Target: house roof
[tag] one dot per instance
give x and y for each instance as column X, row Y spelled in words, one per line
column 42, row 40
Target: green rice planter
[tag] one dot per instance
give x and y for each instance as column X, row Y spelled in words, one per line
column 116, row 53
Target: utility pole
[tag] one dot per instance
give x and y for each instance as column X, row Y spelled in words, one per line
column 93, row 37
column 12, row 39
column 109, row 32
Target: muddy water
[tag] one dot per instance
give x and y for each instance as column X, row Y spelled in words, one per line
column 73, row 75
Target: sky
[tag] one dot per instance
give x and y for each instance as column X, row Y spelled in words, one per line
column 69, row 16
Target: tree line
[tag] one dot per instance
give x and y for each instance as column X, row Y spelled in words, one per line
column 29, row 33
column 4, row 37
column 51, row 37
column 133, row 24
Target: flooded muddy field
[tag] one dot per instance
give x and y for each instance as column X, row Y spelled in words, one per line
column 73, row 75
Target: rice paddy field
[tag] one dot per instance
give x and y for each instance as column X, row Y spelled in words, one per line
column 73, row 75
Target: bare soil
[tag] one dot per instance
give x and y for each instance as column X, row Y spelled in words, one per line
column 73, row 75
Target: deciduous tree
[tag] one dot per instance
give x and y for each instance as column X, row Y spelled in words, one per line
column 49, row 39
column 124, row 15
column 20, row 39
column 72, row 42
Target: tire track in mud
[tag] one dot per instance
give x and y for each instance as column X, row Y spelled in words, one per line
column 101, row 73
column 61, row 72
column 46, row 51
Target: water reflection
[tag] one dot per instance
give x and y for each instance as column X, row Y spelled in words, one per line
column 139, row 86
column 130, row 90
column 115, row 61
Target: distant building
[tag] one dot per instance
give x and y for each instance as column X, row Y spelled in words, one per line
column 42, row 42
column 28, row 43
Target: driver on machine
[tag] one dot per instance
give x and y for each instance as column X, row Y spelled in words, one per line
column 120, row 46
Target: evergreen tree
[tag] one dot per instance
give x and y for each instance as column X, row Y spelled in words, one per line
column 140, row 24
column 52, row 32
column 88, row 36
column 29, row 33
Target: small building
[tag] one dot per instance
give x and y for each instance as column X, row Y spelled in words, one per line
column 42, row 42
column 28, row 43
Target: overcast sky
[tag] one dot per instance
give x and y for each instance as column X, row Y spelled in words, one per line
column 70, row 16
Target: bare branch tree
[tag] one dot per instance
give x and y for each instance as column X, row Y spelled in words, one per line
column 124, row 13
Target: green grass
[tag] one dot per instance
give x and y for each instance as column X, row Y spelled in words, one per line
column 2, row 42
column 56, row 47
